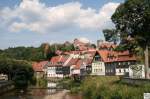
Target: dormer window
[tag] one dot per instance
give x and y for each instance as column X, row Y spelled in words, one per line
column 97, row 58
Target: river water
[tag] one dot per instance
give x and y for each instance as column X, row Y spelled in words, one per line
column 49, row 93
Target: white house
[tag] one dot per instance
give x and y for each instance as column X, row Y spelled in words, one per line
column 52, row 72
column 111, row 63
column 55, row 67
column 98, row 65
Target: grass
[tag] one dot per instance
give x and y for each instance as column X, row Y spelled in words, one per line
column 103, row 87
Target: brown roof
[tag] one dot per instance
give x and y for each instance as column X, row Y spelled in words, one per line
column 38, row 66
column 58, row 60
column 73, row 61
column 116, row 56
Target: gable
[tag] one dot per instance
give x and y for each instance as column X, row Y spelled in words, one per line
column 97, row 57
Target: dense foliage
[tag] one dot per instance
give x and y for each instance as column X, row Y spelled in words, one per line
column 132, row 20
column 20, row 72
column 111, row 35
column 45, row 51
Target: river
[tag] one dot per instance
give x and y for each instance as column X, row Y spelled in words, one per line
column 49, row 93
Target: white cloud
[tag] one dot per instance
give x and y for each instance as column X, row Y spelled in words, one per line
column 35, row 16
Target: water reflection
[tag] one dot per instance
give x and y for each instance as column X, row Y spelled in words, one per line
column 41, row 94
column 52, row 92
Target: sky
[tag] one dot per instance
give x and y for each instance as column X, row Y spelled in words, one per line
column 32, row 22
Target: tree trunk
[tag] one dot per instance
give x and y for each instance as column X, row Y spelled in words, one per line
column 147, row 76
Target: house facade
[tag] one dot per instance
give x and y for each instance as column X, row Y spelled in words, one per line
column 124, row 61
column 110, row 68
column 55, row 71
column 55, row 67
column 98, row 65
column 110, row 63
column 38, row 68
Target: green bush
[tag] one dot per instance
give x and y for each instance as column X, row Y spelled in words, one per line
column 41, row 82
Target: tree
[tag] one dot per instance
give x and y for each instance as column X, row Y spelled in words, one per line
column 132, row 22
column 93, row 45
column 45, row 47
column 20, row 72
column 111, row 35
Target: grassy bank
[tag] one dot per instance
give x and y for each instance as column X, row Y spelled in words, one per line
column 111, row 88
column 102, row 87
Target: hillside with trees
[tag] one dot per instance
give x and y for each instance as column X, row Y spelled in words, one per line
column 43, row 52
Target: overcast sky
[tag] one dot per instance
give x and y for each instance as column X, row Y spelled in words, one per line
column 32, row 22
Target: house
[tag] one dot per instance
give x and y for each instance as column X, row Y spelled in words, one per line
column 61, row 66
column 82, row 62
column 76, row 68
column 55, row 67
column 69, row 65
column 107, row 62
column 124, row 60
column 98, row 65
column 38, row 68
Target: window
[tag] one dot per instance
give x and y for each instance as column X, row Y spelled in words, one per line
column 119, row 70
column 111, row 70
column 97, row 58
column 124, row 70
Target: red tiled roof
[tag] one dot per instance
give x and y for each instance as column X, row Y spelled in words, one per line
column 88, row 61
column 103, row 54
column 73, row 61
column 57, row 59
column 116, row 56
column 38, row 66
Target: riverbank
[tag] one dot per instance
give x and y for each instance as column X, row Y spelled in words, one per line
column 103, row 87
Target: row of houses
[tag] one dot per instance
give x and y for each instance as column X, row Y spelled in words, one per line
column 103, row 61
